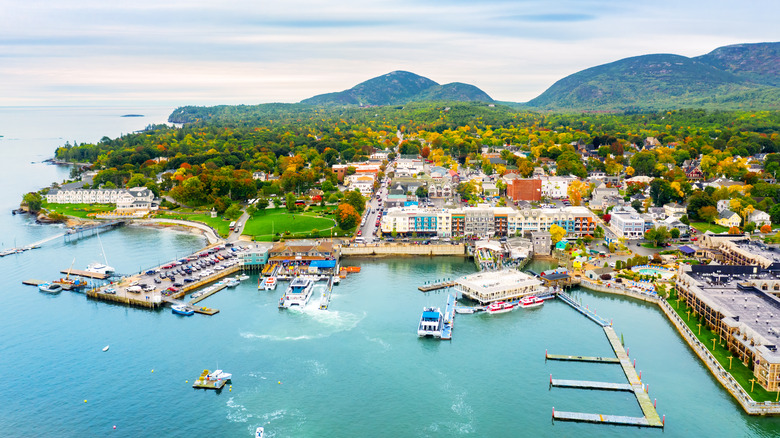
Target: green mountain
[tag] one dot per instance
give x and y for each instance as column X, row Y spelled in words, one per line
column 733, row 77
column 400, row 87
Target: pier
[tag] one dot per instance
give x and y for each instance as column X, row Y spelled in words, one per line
column 619, row 420
column 583, row 310
column 437, row 286
column 87, row 274
column 76, row 233
column 585, row 384
column 325, row 299
column 449, row 318
column 565, row 357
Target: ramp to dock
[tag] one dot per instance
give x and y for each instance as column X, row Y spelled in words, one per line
column 583, row 310
column 436, row 286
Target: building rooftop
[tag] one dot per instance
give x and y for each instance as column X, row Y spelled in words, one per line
column 497, row 281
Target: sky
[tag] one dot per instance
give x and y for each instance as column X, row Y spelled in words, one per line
column 197, row 52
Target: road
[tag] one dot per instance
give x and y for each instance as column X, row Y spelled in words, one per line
column 369, row 229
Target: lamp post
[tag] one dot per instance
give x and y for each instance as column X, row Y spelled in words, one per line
column 699, row 325
column 752, row 384
column 730, row 357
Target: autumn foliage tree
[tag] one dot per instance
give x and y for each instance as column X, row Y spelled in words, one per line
column 766, row 228
column 346, row 216
column 734, row 230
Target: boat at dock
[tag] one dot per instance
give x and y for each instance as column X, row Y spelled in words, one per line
column 219, row 375
column 269, row 283
column 531, row 302
column 243, row 277
column 180, row 309
column 232, row 282
column 431, row 322
column 50, row 288
column 500, row 307
column 100, row 268
column 298, row 293
column 464, row 310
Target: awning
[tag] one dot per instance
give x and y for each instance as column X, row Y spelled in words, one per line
column 323, row 264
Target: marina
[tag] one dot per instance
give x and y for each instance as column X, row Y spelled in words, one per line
column 564, row 357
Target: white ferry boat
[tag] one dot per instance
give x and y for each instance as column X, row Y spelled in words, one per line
column 500, row 307
column 430, row 322
column 269, row 283
column 531, row 302
column 298, row 293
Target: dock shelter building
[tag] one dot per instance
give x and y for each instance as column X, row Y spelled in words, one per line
column 491, row 286
column 738, row 303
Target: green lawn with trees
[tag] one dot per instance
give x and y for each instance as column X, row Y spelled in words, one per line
column 265, row 225
column 715, row 228
column 78, row 210
column 221, row 225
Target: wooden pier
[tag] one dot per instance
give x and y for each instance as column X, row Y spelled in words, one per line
column 584, row 384
column 87, row 274
column 600, row 418
column 565, row 357
column 436, row 286
column 206, row 311
column 33, row 282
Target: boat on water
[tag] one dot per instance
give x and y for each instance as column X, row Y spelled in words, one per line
column 105, row 348
column 243, row 277
column 69, row 284
column 465, row 310
column 100, row 268
column 431, row 322
column 269, row 283
column 50, row 288
column 259, row 432
column 531, row 302
column 232, row 282
column 500, row 307
column 180, row 309
column 219, row 375
column 298, row 293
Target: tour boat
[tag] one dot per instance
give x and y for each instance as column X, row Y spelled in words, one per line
column 269, row 283
column 180, row 309
column 430, row 322
column 298, row 293
column 500, row 307
column 531, row 301
column 259, row 432
column 50, row 288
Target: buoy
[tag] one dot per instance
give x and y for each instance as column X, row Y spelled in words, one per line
column 85, row 401
column 186, row 381
column 152, row 370
column 115, row 426
column 280, row 382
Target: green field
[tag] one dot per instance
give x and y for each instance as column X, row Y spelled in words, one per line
column 704, row 226
column 78, row 210
column 221, row 225
column 741, row 373
column 266, row 224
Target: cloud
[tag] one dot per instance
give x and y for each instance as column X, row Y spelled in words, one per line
column 249, row 51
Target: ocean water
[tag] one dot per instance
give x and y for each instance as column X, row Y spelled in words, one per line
column 355, row 370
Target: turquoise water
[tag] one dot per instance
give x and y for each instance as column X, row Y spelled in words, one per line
column 355, row 370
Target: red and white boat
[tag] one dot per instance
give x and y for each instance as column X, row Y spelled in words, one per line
column 500, row 307
column 531, row 301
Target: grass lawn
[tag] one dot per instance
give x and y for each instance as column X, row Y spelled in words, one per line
column 741, row 373
column 264, row 225
column 78, row 210
column 651, row 246
column 704, row 226
column 221, row 225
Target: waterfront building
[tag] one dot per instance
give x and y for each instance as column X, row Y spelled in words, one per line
column 739, row 250
column 735, row 302
column 130, row 200
column 254, row 257
column 542, row 241
column 301, row 250
column 504, row 285
column 628, row 225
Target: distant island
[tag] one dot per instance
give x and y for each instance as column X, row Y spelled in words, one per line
column 133, row 115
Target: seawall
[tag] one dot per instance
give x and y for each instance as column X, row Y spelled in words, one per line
column 395, row 249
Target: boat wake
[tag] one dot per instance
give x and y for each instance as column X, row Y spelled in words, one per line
column 237, row 412
column 318, row 367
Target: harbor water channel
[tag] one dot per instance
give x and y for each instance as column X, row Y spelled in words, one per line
column 357, row 369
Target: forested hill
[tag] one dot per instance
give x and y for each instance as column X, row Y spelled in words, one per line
column 400, row 87
column 744, row 76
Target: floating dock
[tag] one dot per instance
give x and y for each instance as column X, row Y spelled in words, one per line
column 209, row 291
column 87, row 274
column 206, row 311
column 583, row 310
column 325, row 299
column 33, row 282
column 600, row 418
column 436, row 286
column 565, row 357
column 204, row 383
column 584, row 384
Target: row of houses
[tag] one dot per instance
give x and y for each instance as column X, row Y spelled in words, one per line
column 485, row 221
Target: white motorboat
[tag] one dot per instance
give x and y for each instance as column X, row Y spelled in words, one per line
column 243, row 277
column 50, row 288
column 105, row 348
column 269, row 283
column 99, row 268
column 232, row 282
column 431, row 322
column 219, row 375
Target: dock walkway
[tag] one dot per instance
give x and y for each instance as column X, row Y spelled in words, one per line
column 583, row 310
column 436, row 286
column 600, row 418
column 585, row 384
column 565, row 357
column 449, row 318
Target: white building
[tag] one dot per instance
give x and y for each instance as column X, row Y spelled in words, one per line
column 126, row 200
column 488, row 287
column 760, row 218
column 362, row 182
column 556, row 187
column 628, row 225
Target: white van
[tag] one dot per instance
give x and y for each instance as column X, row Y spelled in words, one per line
column 359, row 240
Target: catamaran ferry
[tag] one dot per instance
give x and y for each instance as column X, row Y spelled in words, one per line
column 298, row 293
column 430, row 322
column 530, row 302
